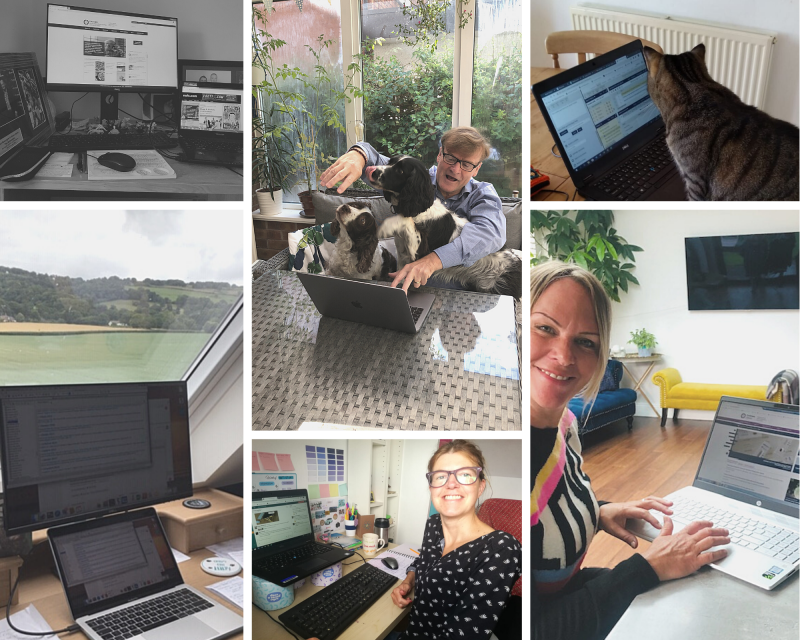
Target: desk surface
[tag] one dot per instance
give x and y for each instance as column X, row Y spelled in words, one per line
column 374, row 624
column 461, row 371
column 541, row 144
column 40, row 587
column 710, row 604
column 193, row 182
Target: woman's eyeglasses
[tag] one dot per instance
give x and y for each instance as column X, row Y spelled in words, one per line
column 467, row 475
column 466, row 166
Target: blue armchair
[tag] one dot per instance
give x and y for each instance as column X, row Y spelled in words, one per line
column 612, row 403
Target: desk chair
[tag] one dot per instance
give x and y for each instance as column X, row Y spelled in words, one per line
column 583, row 42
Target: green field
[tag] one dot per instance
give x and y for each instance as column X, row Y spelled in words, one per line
column 172, row 293
column 58, row 358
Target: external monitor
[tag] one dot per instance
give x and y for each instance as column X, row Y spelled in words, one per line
column 73, row 452
column 110, row 52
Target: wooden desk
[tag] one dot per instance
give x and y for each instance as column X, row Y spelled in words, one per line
column 541, row 144
column 193, row 182
column 40, row 587
column 374, row 624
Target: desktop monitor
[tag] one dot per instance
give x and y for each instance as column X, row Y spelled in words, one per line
column 77, row 451
column 110, row 52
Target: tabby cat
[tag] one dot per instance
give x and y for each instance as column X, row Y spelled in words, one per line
column 724, row 149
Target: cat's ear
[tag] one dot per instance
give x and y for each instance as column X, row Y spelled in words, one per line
column 653, row 59
column 700, row 52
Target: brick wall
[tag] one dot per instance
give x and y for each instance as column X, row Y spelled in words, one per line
column 271, row 237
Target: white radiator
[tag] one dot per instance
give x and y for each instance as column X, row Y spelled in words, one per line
column 736, row 58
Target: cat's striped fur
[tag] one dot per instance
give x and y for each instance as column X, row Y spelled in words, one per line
column 724, row 149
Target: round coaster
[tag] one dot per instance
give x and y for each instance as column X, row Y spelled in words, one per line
column 196, row 503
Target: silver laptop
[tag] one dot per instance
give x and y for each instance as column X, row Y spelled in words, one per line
column 747, row 482
column 121, row 581
column 373, row 303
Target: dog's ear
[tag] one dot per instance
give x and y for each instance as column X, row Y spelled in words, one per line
column 365, row 243
column 335, row 228
column 417, row 194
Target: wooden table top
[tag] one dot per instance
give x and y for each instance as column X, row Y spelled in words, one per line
column 542, row 143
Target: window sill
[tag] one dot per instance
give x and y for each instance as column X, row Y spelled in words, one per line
column 287, row 215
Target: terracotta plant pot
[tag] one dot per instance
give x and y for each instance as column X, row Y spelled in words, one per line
column 266, row 204
column 308, row 205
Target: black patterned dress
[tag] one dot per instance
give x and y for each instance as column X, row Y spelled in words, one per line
column 461, row 595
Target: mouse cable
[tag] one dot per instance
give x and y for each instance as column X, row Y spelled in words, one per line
column 553, row 151
column 70, row 115
column 71, row 629
column 336, row 544
column 288, row 630
column 563, row 193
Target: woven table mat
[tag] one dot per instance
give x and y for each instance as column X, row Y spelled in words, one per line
column 461, row 371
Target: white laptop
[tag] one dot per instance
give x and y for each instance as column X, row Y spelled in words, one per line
column 121, row 581
column 747, row 482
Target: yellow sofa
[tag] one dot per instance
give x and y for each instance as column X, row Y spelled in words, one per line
column 676, row 394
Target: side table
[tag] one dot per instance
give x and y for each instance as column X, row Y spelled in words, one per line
column 650, row 361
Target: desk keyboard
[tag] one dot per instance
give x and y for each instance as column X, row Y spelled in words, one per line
column 326, row 614
column 121, row 142
column 748, row 533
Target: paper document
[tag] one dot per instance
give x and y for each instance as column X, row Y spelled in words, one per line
column 28, row 619
column 404, row 556
column 228, row 548
column 57, row 166
column 231, row 589
column 150, row 165
column 179, row 557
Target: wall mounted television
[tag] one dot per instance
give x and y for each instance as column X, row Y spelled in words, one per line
column 755, row 271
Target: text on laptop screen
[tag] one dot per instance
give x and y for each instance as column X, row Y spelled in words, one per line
column 754, row 449
column 70, row 452
column 593, row 113
column 279, row 519
column 91, row 48
column 106, row 562
column 205, row 109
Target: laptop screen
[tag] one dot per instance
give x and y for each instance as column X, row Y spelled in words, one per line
column 280, row 518
column 593, row 113
column 211, row 109
column 106, row 562
column 753, row 449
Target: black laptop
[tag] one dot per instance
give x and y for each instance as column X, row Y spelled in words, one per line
column 284, row 548
column 609, row 132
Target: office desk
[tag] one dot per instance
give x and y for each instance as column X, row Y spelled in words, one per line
column 193, row 182
column 710, row 605
column 40, row 587
column 541, row 144
column 461, row 371
column 374, row 624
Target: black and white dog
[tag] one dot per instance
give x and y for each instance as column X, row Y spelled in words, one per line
column 356, row 251
column 423, row 224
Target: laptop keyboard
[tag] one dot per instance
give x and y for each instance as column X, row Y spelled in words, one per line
column 416, row 312
column 775, row 542
column 139, row 618
column 639, row 175
column 121, row 142
column 211, row 145
column 284, row 558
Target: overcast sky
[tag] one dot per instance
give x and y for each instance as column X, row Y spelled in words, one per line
column 187, row 245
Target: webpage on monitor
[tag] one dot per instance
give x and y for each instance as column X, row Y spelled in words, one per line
column 279, row 519
column 218, row 110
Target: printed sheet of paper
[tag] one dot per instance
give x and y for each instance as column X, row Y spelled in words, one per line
column 404, row 556
column 231, row 589
column 179, row 557
column 28, row 619
column 150, row 165
column 228, row 548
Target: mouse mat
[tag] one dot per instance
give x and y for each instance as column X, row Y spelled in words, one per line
column 150, row 165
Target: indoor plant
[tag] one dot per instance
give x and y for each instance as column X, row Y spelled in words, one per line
column 645, row 341
column 271, row 162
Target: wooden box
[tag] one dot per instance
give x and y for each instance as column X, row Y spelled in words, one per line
column 192, row 529
column 9, row 568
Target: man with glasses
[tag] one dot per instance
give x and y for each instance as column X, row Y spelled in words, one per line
column 461, row 153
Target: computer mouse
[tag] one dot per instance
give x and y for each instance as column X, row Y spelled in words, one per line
column 117, row 161
column 390, row 563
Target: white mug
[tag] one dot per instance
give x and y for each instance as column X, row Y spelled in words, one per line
column 372, row 544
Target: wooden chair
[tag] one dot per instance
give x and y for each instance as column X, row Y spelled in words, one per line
column 583, row 42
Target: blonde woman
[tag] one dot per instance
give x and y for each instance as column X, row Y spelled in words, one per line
column 570, row 328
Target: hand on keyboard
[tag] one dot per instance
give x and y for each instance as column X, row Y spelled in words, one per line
column 677, row 554
column 614, row 515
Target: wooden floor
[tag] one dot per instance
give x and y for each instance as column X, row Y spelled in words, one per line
column 647, row 461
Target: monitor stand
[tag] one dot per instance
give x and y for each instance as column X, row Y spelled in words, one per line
column 109, row 105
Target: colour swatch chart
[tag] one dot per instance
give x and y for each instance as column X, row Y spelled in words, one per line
column 324, row 464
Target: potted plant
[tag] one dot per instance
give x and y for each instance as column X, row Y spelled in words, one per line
column 300, row 105
column 271, row 162
column 644, row 341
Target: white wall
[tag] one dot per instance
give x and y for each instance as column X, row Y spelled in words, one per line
column 297, row 448
column 778, row 16
column 735, row 347
column 207, row 30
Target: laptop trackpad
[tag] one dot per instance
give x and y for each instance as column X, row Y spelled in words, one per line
column 184, row 628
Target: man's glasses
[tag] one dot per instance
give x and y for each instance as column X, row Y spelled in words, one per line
column 466, row 166
column 467, row 475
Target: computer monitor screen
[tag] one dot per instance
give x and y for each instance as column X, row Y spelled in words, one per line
column 217, row 110
column 71, row 452
column 110, row 50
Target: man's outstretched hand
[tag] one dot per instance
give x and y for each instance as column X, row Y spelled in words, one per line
column 417, row 272
column 346, row 169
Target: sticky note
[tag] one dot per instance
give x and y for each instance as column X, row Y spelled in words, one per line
column 324, row 491
column 343, row 489
column 268, row 462
column 313, row 491
column 334, row 488
column 285, row 461
column 256, row 466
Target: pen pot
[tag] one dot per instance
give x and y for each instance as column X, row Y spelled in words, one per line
column 350, row 528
